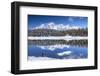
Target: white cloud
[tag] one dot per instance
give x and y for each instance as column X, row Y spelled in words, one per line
column 52, row 25
column 64, row 53
column 53, row 47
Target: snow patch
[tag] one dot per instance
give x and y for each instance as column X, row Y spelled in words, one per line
column 64, row 53
column 31, row 58
column 53, row 47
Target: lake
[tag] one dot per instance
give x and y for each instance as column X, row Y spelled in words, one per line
column 56, row 52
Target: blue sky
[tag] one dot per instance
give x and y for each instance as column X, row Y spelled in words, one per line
column 36, row 20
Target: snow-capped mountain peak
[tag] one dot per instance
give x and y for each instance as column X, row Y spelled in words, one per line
column 52, row 25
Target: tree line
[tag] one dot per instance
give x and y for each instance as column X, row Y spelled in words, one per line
column 52, row 32
column 56, row 42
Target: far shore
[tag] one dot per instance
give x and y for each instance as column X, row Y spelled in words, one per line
column 67, row 38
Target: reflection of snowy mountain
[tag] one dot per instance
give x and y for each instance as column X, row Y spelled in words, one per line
column 52, row 25
column 53, row 47
column 56, row 52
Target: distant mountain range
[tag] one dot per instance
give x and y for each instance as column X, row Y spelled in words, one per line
column 52, row 29
column 54, row 26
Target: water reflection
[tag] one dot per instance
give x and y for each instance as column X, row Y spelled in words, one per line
column 57, row 42
column 57, row 49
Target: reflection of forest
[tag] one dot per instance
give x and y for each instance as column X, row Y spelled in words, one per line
column 52, row 32
column 55, row 42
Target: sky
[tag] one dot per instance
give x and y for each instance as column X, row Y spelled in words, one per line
column 37, row 20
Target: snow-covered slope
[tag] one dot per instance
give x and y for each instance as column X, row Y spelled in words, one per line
column 52, row 25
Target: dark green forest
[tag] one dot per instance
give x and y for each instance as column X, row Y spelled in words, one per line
column 52, row 32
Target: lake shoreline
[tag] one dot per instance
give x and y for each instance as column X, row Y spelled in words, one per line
column 57, row 38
